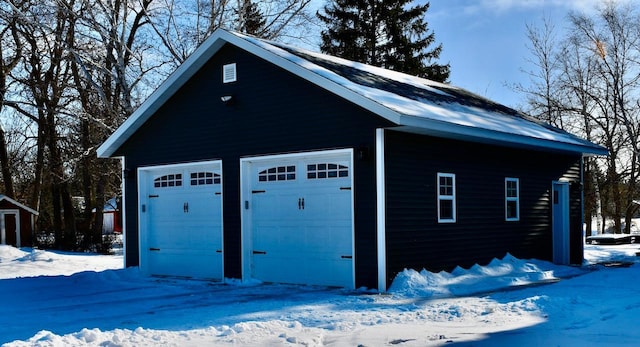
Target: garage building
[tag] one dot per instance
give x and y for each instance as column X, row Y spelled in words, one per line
column 257, row 160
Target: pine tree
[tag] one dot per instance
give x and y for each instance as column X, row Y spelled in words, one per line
column 251, row 20
column 385, row 33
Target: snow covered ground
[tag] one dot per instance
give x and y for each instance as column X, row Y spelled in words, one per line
column 64, row 299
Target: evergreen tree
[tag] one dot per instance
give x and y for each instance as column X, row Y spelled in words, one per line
column 251, row 20
column 385, row 33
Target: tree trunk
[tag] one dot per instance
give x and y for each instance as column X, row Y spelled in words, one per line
column 5, row 166
column 99, row 216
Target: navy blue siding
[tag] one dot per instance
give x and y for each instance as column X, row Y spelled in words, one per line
column 416, row 240
column 272, row 111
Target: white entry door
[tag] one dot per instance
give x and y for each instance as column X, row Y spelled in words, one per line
column 181, row 220
column 298, row 218
column 560, row 216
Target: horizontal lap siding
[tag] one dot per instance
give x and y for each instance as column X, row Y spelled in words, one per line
column 576, row 214
column 416, row 240
column 272, row 111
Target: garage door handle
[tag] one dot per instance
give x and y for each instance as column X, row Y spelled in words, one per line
column 347, row 257
column 259, row 252
column 154, row 249
column 218, row 251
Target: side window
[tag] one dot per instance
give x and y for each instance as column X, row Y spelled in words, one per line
column 512, row 199
column 174, row 180
column 446, row 198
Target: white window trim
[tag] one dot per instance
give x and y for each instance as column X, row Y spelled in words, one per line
column 447, row 197
column 516, row 199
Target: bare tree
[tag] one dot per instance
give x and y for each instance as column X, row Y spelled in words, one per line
column 45, row 32
column 588, row 83
column 614, row 37
column 102, row 78
column 10, row 52
column 183, row 25
column 543, row 96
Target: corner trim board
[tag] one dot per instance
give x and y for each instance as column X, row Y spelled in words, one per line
column 381, row 212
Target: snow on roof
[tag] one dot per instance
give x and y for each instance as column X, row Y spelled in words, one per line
column 423, row 99
column 414, row 104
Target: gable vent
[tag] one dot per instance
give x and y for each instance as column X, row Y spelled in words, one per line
column 229, row 73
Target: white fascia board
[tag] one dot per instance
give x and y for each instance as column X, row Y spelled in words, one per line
column 437, row 128
column 29, row 209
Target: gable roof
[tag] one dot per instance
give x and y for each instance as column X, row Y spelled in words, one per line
column 24, row 207
column 414, row 104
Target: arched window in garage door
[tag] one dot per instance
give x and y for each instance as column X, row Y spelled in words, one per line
column 279, row 173
column 172, row 180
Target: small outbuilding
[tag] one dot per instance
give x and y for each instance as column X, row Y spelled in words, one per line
column 16, row 223
column 111, row 217
column 258, row 160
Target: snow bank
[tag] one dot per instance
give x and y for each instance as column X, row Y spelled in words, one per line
column 121, row 308
column 30, row 262
column 9, row 253
column 498, row 274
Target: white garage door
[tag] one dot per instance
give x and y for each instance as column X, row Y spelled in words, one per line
column 181, row 220
column 299, row 218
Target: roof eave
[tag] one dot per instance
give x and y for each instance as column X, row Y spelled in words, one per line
column 288, row 62
column 480, row 135
column 14, row 202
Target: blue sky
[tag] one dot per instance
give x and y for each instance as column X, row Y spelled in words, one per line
column 486, row 44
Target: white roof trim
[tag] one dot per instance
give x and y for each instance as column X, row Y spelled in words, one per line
column 29, row 209
column 428, row 119
column 475, row 134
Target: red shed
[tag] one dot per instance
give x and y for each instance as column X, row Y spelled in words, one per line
column 16, row 223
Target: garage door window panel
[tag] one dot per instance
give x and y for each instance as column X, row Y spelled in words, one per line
column 166, row 181
column 204, row 178
column 278, row 173
column 327, row 170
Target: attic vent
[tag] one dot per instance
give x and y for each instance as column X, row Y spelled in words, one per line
column 229, row 73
